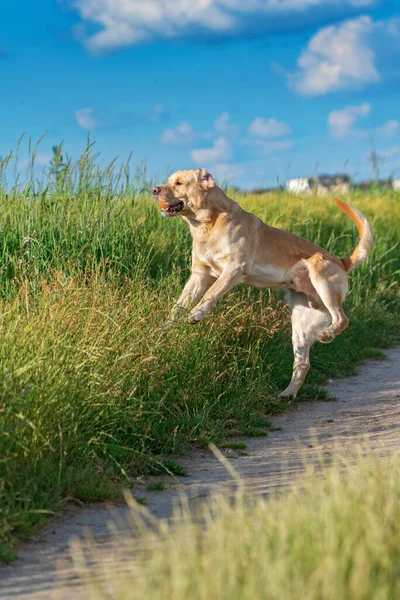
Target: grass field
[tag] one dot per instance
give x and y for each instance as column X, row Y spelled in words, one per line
column 337, row 537
column 91, row 393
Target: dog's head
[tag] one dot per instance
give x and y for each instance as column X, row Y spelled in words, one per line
column 185, row 193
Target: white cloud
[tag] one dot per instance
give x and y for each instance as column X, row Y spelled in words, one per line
column 391, row 152
column 342, row 124
column 337, row 57
column 362, row 2
column 127, row 22
column 183, row 134
column 180, row 135
column 220, row 150
column 226, row 172
column 157, row 113
column 347, row 56
column 85, row 118
column 223, row 133
column 263, row 134
column 269, row 128
column 388, row 129
column 223, row 126
column 40, row 160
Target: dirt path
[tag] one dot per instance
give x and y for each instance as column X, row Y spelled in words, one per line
column 367, row 407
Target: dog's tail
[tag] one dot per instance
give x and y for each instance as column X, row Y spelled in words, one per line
column 364, row 246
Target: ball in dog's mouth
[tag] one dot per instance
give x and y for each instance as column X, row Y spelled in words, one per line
column 171, row 210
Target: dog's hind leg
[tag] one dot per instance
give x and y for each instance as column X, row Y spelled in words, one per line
column 330, row 282
column 307, row 322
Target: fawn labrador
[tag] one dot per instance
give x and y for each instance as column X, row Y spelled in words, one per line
column 232, row 246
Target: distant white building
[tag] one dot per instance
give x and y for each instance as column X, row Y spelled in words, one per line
column 298, row 186
column 320, row 185
column 396, row 184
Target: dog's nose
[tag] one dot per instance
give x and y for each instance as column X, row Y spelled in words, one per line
column 156, row 190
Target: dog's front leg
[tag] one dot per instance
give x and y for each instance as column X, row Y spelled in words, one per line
column 200, row 281
column 224, row 283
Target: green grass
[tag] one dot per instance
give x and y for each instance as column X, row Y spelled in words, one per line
column 168, row 466
column 91, row 392
column 336, row 537
column 156, row 486
column 234, row 445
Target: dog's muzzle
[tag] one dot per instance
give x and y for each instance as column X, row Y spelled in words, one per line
column 171, row 210
column 167, row 209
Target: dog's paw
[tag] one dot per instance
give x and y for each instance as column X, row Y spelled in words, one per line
column 287, row 396
column 326, row 336
column 164, row 327
column 194, row 318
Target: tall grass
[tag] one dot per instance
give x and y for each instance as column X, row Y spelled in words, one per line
column 336, row 537
column 91, row 391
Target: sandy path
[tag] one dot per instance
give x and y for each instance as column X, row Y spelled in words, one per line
column 367, row 407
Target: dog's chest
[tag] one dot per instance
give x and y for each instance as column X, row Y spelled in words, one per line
column 214, row 253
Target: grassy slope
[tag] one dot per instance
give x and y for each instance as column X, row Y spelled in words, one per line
column 339, row 537
column 91, row 392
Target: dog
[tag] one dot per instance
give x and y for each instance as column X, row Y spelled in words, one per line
column 232, row 246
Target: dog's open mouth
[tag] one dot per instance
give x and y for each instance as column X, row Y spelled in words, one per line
column 171, row 210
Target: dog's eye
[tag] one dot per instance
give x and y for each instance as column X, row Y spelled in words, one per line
column 178, row 183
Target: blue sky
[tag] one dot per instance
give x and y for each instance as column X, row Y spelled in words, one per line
column 255, row 91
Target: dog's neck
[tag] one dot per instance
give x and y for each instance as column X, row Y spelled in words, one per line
column 216, row 203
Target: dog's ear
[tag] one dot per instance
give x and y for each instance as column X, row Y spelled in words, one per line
column 205, row 179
